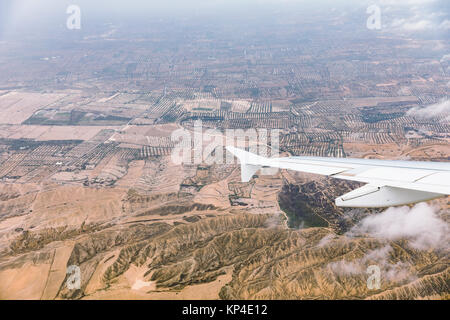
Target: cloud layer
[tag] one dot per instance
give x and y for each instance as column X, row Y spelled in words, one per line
column 393, row 272
column 416, row 15
column 420, row 224
column 435, row 110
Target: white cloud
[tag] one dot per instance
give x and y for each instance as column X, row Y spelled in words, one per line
column 406, row 3
column 347, row 267
column 398, row 23
column 445, row 25
column 445, row 58
column 418, row 25
column 394, row 272
column 438, row 109
column 415, row 15
column 399, row 272
column 378, row 254
column 420, row 224
column 326, row 240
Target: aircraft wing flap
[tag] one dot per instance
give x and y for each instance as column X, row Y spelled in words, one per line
column 418, row 186
column 437, row 178
column 372, row 196
column 396, row 174
column 389, row 182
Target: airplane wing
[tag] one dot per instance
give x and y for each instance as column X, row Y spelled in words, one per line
column 389, row 183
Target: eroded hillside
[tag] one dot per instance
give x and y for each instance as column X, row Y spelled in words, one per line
column 217, row 241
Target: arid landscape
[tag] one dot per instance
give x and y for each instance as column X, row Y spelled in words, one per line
column 87, row 176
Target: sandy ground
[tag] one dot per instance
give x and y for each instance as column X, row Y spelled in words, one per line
column 144, row 290
column 43, row 133
column 57, row 271
column 25, row 282
column 16, row 107
column 216, row 194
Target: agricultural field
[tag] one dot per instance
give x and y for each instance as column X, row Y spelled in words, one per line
column 113, row 159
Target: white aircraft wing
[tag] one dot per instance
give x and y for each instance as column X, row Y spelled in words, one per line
column 389, row 183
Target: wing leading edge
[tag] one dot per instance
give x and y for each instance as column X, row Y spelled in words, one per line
column 389, row 183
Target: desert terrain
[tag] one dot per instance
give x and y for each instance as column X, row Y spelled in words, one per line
column 94, row 206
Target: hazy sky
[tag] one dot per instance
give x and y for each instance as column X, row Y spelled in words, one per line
column 26, row 9
column 19, row 15
column 33, row 15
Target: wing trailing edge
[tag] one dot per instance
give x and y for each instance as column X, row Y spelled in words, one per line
column 389, row 183
column 370, row 196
